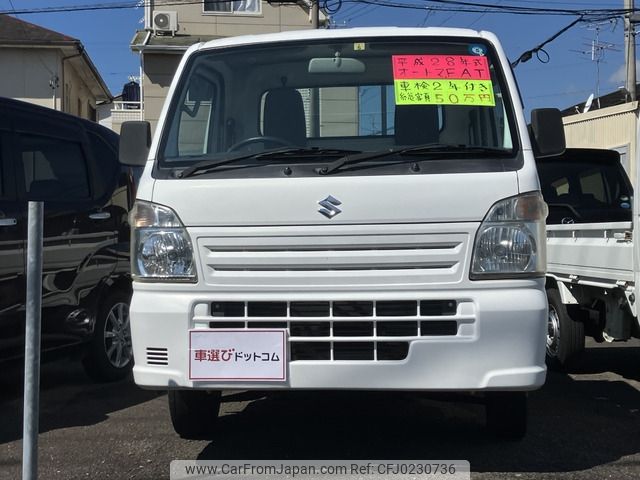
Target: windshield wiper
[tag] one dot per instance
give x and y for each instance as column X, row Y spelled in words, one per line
column 208, row 165
column 412, row 150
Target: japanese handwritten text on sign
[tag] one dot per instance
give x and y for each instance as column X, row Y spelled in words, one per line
column 442, row 80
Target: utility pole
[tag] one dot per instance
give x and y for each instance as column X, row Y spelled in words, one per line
column 630, row 49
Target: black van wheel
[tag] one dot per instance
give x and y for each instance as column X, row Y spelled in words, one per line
column 194, row 413
column 565, row 336
column 506, row 414
column 109, row 354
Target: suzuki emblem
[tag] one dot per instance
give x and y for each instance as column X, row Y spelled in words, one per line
column 330, row 207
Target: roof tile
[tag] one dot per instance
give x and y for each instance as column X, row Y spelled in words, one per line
column 13, row 30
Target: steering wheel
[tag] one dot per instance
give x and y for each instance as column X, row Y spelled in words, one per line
column 261, row 139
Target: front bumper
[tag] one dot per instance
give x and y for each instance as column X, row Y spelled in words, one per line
column 499, row 344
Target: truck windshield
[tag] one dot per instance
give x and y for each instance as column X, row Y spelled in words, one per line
column 322, row 102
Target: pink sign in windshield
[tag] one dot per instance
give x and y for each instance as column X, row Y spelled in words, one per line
column 447, row 67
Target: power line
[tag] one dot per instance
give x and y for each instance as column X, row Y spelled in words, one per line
column 103, row 6
column 367, row 11
column 527, row 55
column 477, row 7
column 548, row 68
column 461, row 6
column 356, row 11
column 348, row 9
column 480, row 16
column 515, row 8
column 426, row 18
column 536, row 2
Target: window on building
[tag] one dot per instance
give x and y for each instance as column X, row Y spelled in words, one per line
column 232, row 6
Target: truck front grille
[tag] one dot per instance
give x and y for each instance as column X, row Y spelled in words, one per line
column 314, row 258
column 381, row 308
column 345, row 330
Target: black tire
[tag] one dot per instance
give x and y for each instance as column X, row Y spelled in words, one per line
column 506, row 414
column 565, row 336
column 109, row 355
column 194, row 413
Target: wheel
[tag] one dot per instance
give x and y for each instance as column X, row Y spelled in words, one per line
column 507, row 414
column 109, row 355
column 565, row 336
column 261, row 139
column 194, row 413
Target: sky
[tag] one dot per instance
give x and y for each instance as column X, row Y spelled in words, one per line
column 568, row 77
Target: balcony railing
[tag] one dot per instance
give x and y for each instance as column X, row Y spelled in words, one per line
column 125, row 111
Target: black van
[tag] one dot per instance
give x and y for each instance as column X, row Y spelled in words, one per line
column 72, row 166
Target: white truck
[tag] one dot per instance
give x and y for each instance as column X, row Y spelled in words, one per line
column 591, row 259
column 341, row 209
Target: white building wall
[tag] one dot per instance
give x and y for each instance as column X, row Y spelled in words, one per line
column 78, row 98
column 27, row 73
column 613, row 128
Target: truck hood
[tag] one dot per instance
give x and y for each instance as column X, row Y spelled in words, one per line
column 429, row 198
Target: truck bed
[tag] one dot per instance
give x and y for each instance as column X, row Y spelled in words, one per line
column 600, row 253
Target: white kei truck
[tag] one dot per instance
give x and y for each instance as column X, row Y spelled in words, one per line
column 339, row 210
column 592, row 261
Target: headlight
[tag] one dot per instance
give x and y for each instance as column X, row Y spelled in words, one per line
column 160, row 247
column 510, row 242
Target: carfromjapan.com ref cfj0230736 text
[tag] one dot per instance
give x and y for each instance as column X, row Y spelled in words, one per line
column 326, row 469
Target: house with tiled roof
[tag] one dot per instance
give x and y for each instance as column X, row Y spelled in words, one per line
column 48, row 68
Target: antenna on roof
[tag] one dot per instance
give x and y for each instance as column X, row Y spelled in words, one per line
column 596, row 49
column 587, row 104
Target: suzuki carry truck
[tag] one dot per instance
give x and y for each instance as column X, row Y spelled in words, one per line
column 340, row 210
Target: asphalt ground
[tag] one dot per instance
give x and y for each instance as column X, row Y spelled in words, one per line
column 583, row 425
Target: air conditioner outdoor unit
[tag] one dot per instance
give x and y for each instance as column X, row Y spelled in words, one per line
column 165, row 22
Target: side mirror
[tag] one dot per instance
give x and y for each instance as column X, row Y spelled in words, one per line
column 135, row 141
column 547, row 132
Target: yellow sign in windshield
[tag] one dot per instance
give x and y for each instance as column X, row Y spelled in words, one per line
column 444, row 92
